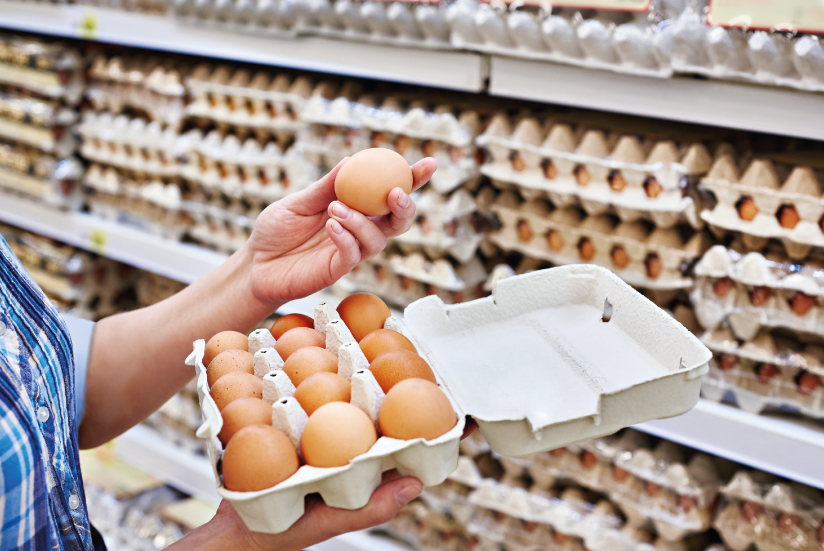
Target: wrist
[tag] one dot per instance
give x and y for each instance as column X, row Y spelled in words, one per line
column 256, row 300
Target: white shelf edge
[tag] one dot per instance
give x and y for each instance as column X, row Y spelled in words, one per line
column 439, row 68
column 791, row 448
column 750, row 107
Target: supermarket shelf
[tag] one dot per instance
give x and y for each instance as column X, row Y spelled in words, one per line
column 782, row 445
column 442, row 69
column 717, row 103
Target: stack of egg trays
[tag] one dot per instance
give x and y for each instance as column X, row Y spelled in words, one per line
column 663, row 485
column 39, row 86
column 774, row 58
column 760, row 511
column 764, row 200
column 274, row 18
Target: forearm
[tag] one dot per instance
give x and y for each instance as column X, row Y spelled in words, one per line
column 137, row 358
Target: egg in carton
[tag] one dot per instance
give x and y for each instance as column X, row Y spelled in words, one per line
column 755, row 297
column 452, row 284
column 769, row 515
column 594, row 39
column 272, row 18
column 455, row 336
column 656, row 259
column 633, row 178
column 51, row 69
column 768, row 201
column 37, row 123
column 35, row 174
column 225, row 228
column 766, row 371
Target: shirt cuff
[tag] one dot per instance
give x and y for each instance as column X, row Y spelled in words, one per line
column 81, row 332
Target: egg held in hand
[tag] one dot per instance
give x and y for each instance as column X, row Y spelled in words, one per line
column 307, row 361
column 290, row 321
column 363, row 313
column 322, row 388
column 335, row 434
column 366, row 178
column 234, row 385
column 242, row 413
column 390, row 368
column 298, row 338
column 416, row 408
column 384, row 340
column 258, row 457
column 225, row 340
column 228, row 361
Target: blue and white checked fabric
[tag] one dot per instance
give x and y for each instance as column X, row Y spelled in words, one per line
column 42, row 503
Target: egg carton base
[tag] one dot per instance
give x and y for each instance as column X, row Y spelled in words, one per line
column 763, row 78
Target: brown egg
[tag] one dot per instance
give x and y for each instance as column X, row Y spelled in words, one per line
column 225, row 340
column 582, row 175
column 653, row 265
column 619, row 255
column 788, row 217
column 550, row 170
column 307, row 361
column 747, row 209
column 390, row 368
column 807, row 382
column 518, row 164
column 290, row 321
column 365, row 180
column 416, row 408
column 766, row 372
column 554, row 240
column 687, row 503
column 363, row 313
column 751, row 510
column 616, row 181
column 760, row 295
column 652, row 188
column 228, row 361
column 242, row 413
column 297, row 338
column 728, row 361
column 801, row 303
column 789, row 523
column 619, row 474
column 525, row 232
column 322, row 388
column 384, row 340
column 234, row 385
column 258, row 457
column 589, row 460
column 586, row 249
column 723, row 286
column 335, row 434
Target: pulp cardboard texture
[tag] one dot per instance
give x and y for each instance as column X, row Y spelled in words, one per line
column 599, row 230
column 767, row 348
column 648, row 366
column 584, row 164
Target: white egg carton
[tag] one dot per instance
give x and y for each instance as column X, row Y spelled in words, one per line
column 801, row 509
column 37, row 66
column 647, row 367
column 525, row 228
column 770, row 187
column 274, row 18
column 576, row 167
column 41, row 176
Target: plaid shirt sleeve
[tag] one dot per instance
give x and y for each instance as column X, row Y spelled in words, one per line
column 42, row 503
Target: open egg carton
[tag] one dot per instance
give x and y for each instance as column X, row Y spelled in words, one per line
column 662, row 484
column 29, row 172
column 599, row 171
column 341, row 127
column 636, row 43
column 763, row 200
column 542, row 318
column 774, row 58
column 151, row 84
column 151, row 205
column 264, row 103
column 132, row 144
column 767, row 371
column 750, row 291
column 770, row 515
column 652, row 258
column 40, row 123
column 51, row 69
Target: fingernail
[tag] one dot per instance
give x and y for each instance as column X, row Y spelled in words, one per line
column 336, row 227
column 409, row 492
column 403, row 200
column 340, row 210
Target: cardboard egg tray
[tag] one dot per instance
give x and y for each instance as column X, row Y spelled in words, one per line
column 601, row 172
column 51, row 69
column 535, row 221
column 648, row 367
column 769, row 515
column 755, row 390
column 750, row 292
column 772, row 188
column 41, row 176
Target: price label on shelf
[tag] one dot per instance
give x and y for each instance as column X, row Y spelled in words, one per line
column 98, row 241
column 606, row 5
column 779, row 15
column 88, row 26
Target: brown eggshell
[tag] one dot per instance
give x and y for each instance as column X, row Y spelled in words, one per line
column 416, row 408
column 258, row 457
column 363, row 313
column 297, row 338
column 390, row 368
column 322, row 388
column 225, row 340
column 335, row 434
column 384, row 340
column 228, row 361
column 290, row 321
column 307, row 361
column 365, row 180
column 555, row 240
column 242, row 413
column 234, row 385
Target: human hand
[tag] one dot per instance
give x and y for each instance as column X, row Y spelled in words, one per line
column 308, row 240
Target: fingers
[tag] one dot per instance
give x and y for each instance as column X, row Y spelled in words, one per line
column 370, row 238
column 402, row 215
column 315, row 198
column 469, row 427
column 422, row 171
column 348, row 254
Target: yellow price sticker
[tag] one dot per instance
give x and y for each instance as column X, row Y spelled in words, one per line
column 97, row 241
column 89, row 25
